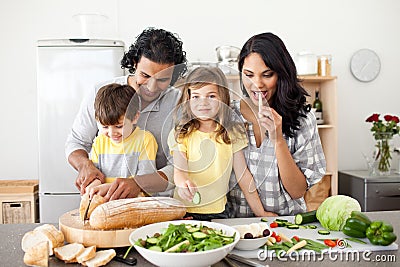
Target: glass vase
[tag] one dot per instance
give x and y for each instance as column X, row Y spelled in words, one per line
column 383, row 152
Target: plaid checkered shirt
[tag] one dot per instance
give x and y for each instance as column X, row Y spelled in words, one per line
column 306, row 150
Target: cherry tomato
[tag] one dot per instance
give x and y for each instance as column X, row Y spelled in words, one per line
column 278, row 238
column 296, row 238
column 273, row 234
column 273, row 225
column 330, row 243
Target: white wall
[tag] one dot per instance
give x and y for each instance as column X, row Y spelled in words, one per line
column 336, row 27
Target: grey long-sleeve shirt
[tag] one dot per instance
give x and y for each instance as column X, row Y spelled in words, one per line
column 156, row 118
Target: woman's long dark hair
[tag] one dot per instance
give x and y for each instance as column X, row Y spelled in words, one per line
column 159, row 46
column 290, row 97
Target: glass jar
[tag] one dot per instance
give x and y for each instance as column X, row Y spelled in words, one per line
column 324, row 65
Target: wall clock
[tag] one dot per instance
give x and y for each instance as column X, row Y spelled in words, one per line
column 365, row 65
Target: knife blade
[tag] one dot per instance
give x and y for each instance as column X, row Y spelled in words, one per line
column 86, row 218
column 245, row 260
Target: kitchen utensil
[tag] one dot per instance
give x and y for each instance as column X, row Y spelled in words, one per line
column 227, row 53
column 245, row 261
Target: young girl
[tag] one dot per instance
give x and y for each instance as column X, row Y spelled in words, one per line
column 206, row 144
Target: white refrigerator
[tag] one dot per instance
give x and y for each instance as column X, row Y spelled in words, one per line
column 66, row 70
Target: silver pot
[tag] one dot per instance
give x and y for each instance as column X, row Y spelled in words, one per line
column 227, row 53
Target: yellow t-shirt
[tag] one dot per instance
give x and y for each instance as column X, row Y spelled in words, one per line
column 210, row 166
column 136, row 155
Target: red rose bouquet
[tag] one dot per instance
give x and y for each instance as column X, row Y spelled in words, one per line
column 383, row 132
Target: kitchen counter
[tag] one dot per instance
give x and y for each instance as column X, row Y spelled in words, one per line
column 11, row 253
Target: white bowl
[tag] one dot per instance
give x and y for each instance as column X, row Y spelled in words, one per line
column 190, row 259
column 251, row 244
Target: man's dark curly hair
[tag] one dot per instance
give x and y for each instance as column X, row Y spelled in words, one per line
column 159, row 46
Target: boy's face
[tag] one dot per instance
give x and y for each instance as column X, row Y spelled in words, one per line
column 119, row 131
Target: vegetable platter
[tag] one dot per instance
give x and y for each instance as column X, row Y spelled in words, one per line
column 314, row 233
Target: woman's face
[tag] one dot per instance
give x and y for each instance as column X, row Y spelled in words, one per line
column 152, row 78
column 258, row 79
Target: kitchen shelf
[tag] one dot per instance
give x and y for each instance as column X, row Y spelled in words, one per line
column 326, row 85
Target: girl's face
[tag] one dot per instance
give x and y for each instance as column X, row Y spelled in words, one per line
column 119, row 131
column 205, row 102
column 152, row 78
column 258, row 79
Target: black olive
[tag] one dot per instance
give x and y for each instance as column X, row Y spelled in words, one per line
column 266, row 232
column 248, row 236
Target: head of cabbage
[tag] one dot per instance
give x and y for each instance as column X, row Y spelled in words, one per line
column 334, row 211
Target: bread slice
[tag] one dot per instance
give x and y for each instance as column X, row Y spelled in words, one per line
column 54, row 232
column 102, row 258
column 96, row 201
column 44, row 233
column 37, row 255
column 69, row 251
column 87, row 254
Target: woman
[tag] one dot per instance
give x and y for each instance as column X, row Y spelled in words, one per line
column 155, row 62
column 284, row 153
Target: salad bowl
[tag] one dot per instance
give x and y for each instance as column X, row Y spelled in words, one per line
column 189, row 259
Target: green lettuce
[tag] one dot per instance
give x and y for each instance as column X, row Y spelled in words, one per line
column 334, row 211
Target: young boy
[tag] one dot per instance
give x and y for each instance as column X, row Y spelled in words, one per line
column 121, row 149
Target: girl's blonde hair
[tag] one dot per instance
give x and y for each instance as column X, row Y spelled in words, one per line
column 186, row 122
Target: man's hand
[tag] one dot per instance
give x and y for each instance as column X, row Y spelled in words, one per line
column 122, row 188
column 87, row 174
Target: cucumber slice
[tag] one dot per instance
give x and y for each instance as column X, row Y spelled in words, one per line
column 264, row 219
column 196, row 198
column 199, row 235
column 156, row 248
column 193, row 229
column 323, row 232
column 292, row 226
column 152, row 240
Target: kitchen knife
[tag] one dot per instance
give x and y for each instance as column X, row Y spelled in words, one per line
column 86, row 218
column 245, row 261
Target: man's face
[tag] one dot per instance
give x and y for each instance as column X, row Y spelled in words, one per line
column 152, row 78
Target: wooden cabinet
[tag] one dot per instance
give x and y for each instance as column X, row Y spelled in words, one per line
column 326, row 85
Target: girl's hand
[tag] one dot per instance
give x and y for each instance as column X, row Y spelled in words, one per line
column 272, row 122
column 186, row 190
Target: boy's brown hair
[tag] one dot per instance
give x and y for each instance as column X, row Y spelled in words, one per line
column 113, row 101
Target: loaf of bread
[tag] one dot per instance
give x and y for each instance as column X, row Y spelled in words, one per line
column 136, row 212
column 37, row 255
column 89, row 205
column 45, row 233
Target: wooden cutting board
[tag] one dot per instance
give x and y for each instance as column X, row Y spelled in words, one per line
column 75, row 231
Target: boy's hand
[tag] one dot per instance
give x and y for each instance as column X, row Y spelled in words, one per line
column 187, row 190
column 101, row 190
column 122, row 188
